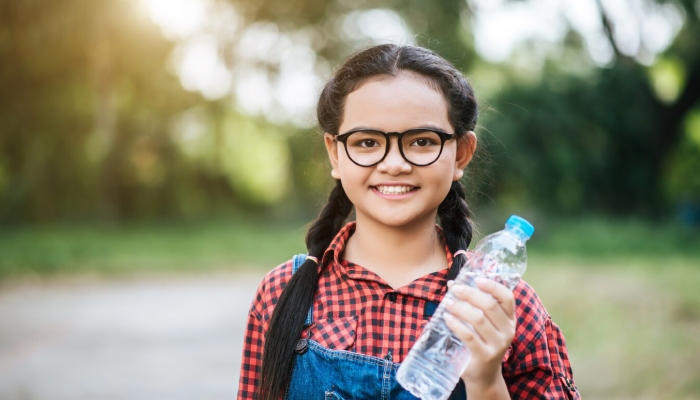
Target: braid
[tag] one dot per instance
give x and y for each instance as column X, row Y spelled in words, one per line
column 454, row 217
column 287, row 320
column 330, row 221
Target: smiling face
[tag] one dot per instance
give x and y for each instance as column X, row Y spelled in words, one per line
column 394, row 192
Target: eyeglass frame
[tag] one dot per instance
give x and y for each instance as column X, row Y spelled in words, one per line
column 444, row 136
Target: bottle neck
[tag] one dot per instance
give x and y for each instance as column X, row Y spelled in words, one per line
column 518, row 233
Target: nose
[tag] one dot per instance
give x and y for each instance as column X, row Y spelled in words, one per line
column 394, row 163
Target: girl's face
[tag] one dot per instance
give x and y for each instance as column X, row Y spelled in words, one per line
column 394, row 192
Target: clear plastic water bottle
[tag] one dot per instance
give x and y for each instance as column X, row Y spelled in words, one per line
column 438, row 358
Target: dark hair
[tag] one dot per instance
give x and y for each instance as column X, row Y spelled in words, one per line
column 287, row 320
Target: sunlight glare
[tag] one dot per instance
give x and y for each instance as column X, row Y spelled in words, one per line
column 642, row 28
column 201, row 68
column 499, row 27
column 177, row 18
column 379, row 25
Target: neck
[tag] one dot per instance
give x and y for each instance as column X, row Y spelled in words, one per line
column 399, row 255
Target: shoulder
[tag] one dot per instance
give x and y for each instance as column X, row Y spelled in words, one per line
column 279, row 276
column 270, row 289
column 529, row 309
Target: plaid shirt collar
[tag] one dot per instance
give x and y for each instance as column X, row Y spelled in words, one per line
column 431, row 287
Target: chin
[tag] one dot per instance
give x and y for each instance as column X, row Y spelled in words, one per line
column 403, row 221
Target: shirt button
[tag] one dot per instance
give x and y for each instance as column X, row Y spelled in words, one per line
column 392, row 297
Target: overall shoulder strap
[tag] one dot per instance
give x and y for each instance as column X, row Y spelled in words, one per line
column 298, row 260
column 296, row 263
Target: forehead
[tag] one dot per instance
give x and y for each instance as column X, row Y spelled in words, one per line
column 396, row 103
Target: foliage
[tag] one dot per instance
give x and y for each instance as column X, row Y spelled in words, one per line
column 566, row 141
column 568, row 146
column 90, row 118
column 94, row 123
column 601, row 140
column 85, row 104
column 681, row 173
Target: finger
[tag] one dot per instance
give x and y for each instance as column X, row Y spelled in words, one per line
column 450, row 283
column 502, row 294
column 468, row 336
column 477, row 318
column 488, row 305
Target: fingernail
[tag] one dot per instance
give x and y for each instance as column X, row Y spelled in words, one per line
column 448, row 301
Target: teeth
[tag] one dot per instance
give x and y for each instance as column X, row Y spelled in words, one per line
column 394, row 189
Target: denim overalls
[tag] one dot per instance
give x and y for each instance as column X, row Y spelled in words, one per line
column 321, row 373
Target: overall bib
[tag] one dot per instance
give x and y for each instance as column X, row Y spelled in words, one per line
column 321, row 373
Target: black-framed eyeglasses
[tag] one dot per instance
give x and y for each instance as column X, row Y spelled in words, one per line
column 419, row 146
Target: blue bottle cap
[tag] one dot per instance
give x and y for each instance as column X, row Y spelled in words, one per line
column 522, row 225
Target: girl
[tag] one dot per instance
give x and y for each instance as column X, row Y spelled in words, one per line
column 398, row 123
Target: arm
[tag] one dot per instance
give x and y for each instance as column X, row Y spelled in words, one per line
column 253, row 342
column 538, row 365
column 491, row 311
column 257, row 323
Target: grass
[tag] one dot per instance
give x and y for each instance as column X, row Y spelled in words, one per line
column 625, row 293
column 134, row 248
column 632, row 326
column 245, row 242
column 601, row 238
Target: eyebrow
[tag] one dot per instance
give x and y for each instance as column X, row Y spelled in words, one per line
column 426, row 126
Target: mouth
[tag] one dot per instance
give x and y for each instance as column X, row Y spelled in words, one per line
column 394, row 190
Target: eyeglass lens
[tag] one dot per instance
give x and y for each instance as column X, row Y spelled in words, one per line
column 419, row 147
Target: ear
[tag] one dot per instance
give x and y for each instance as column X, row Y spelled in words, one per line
column 332, row 149
column 466, row 146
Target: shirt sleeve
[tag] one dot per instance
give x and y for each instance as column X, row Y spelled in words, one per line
column 258, row 320
column 536, row 366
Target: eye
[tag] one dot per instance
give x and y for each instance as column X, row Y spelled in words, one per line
column 366, row 140
column 424, row 142
column 366, row 143
column 421, row 139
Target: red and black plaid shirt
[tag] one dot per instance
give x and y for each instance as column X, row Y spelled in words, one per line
column 356, row 310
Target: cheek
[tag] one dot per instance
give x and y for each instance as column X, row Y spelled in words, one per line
column 351, row 174
column 445, row 186
column 447, row 166
column 344, row 163
column 443, row 178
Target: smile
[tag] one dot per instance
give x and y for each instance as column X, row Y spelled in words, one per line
column 395, row 190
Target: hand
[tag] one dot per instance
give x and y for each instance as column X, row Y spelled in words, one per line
column 491, row 311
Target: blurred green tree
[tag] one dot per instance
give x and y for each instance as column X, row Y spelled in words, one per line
column 604, row 141
column 86, row 107
column 601, row 140
column 94, row 122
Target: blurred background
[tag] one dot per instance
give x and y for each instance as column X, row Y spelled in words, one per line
column 157, row 157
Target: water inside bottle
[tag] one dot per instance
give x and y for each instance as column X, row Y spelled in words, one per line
column 507, row 280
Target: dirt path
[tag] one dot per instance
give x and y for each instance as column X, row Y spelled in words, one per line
column 149, row 338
